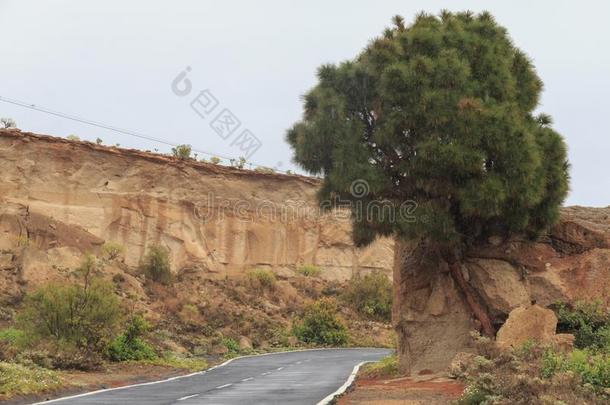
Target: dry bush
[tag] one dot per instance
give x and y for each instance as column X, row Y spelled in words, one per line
column 521, row 376
column 261, row 279
column 112, row 250
column 370, row 296
column 309, row 270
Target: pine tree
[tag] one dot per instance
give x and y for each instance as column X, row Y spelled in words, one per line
column 440, row 113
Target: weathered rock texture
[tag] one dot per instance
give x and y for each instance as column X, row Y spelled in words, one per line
column 60, row 199
column 433, row 324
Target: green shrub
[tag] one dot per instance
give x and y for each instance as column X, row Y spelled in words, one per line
column 262, row 279
column 129, row 345
column 321, row 324
column 12, row 342
column 156, row 265
column 384, row 368
column 72, row 137
column 215, row 160
column 13, row 336
column 112, row 250
column 182, row 152
column 231, row 344
column 593, row 368
column 82, row 315
column 588, row 321
column 309, row 270
column 17, row 379
column 370, row 296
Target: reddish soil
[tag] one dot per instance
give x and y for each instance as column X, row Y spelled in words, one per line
column 429, row 390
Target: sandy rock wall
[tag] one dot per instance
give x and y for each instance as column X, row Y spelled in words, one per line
column 63, row 198
column 572, row 263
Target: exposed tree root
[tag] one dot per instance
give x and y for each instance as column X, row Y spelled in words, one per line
column 470, row 297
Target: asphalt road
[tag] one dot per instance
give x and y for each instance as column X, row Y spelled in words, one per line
column 304, row 377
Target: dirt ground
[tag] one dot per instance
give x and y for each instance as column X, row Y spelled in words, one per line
column 428, row 390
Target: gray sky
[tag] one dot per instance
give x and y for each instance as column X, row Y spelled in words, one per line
column 114, row 61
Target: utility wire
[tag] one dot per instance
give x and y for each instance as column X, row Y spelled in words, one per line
column 114, row 128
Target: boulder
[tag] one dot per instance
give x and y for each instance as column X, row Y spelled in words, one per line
column 564, row 342
column 533, row 323
column 245, row 343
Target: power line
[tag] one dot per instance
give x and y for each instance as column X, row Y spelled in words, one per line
column 114, row 128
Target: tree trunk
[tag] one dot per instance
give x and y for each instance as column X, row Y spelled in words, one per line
column 470, row 296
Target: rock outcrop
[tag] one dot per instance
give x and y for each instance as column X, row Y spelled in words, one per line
column 532, row 324
column 433, row 323
column 60, row 199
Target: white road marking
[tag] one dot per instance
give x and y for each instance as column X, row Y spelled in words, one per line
column 223, row 386
column 267, row 373
column 188, row 396
column 345, row 386
column 248, row 379
column 299, row 362
column 279, row 368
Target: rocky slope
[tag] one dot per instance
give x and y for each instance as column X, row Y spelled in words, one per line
column 64, row 198
column 571, row 263
column 61, row 200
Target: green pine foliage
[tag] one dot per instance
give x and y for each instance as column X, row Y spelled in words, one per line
column 439, row 112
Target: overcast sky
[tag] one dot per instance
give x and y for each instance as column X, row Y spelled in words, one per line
column 114, row 62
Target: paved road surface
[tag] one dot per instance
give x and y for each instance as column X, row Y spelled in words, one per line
column 304, row 377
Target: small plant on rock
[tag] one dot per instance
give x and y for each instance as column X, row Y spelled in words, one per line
column 309, row 270
column 182, row 152
column 8, row 123
column 112, row 250
column 262, row 279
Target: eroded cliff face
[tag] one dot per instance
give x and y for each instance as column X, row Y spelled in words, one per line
column 571, row 263
column 60, row 199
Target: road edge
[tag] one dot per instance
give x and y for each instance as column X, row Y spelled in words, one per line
column 350, row 380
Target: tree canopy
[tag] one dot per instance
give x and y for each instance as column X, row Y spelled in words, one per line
column 440, row 112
